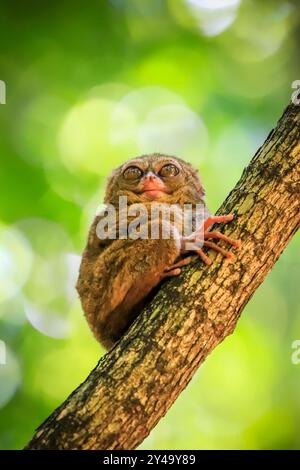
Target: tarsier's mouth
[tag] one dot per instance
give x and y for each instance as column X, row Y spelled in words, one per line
column 154, row 193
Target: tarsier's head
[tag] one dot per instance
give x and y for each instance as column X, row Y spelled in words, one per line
column 155, row 177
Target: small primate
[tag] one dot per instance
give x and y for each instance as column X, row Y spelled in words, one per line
column 117, row 274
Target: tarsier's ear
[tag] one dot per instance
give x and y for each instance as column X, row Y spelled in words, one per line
column 110, row 184
column 197, row 179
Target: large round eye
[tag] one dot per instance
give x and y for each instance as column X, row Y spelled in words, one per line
column 132, row 173
column 168, row 170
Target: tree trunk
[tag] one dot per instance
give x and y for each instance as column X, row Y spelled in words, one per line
column 135, row 384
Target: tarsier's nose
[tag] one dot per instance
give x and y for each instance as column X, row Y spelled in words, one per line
column 150, row 176
column 152, row 184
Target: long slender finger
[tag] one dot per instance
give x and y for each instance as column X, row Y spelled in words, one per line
column 217, row 248
column 180, row 263
column 173, row 272
column 221, row 236
column 204, row 257
column 216, row 219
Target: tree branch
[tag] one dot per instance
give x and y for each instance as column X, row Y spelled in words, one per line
column 135, row 384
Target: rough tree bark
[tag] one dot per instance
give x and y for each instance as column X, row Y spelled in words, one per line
column 134, row 385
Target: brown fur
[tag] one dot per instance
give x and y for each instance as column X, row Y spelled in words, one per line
column 117, row 275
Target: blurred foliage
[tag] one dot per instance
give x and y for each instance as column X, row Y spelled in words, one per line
column 89, row 85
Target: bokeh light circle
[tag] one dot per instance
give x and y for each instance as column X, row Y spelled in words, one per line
column 47, row 289
column 209, row 18
column 91, row 137
column 10, row 377
column 15, row 261
column 174, row 130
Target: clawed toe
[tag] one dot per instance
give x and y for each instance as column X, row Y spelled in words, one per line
column 174, row 269
column 221, row 236
column 170, row 273
column 217, row 219
column 204, row 239
column 219, row 249
column 203, row 256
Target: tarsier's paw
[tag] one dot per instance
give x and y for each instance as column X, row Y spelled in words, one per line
column 218, row 235
column 196, row 237
column 206, row 235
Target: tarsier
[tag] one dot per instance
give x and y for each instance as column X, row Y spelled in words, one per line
column 116, row 274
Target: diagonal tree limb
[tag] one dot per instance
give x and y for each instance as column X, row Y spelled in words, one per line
column 134, row 385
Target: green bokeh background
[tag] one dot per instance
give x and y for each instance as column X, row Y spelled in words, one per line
column 88, row 86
